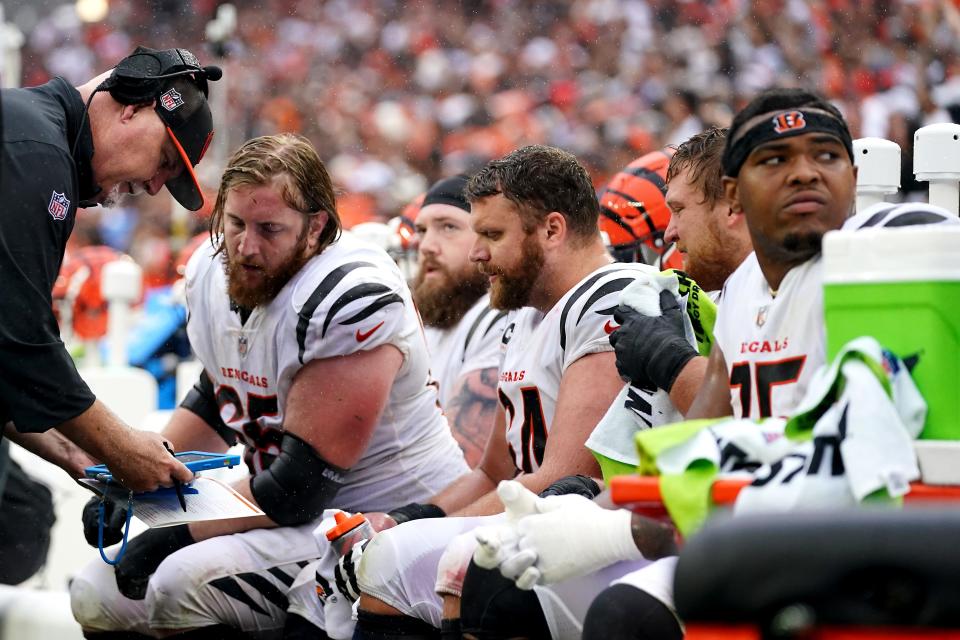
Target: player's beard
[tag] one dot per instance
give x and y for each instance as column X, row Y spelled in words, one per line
column 443, row 301
column 803, row 245
column 512, row 290
column 792, row 249
column 712, row 262
column 266, row 288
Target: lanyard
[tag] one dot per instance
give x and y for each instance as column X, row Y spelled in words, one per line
column 126, row 531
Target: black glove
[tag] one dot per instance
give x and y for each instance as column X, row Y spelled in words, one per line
column 580, row 485
column 145, row 553
column 651, row 350
column 114, row 519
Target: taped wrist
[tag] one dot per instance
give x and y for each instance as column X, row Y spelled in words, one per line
column 416, row 511
column 298, row 485
column 579, row 485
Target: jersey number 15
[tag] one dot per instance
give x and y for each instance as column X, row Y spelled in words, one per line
column 767, row 375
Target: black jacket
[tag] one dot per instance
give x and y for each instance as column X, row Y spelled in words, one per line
column 41, row 183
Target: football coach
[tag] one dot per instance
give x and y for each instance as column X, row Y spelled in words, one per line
column 140, row 127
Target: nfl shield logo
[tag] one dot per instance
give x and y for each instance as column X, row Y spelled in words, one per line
column 762, row 315
column 171, row 99
column 242, row 345
column 59, row 205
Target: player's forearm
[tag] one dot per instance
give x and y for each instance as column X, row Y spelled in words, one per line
column 688, row 383
column 471, row 412
column 653, row 539
column 187, row 431
column 53, row 447
column 212, row 528
column 709, row 405
column 487, row 505
column 490, row 503
column 205, row 529
column 463, row 491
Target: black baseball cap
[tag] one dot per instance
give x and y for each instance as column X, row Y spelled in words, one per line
column 183, row 108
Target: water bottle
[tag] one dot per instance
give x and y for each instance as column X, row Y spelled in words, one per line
column 348, row 531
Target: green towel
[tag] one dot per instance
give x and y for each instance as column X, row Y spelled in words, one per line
column 686, row 496
column 701, row 310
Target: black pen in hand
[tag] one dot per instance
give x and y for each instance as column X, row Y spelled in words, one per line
column 176, row 483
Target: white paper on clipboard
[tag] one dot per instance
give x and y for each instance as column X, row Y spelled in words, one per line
column 214, row 500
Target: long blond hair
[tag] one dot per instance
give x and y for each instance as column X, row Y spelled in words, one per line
column 304, row 183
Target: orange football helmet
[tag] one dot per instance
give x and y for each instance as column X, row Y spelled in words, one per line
column 406, row 223
column 405, row 229
column 634, row 213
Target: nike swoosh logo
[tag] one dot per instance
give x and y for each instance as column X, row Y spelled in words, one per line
column 609, row 327
column 361, row 336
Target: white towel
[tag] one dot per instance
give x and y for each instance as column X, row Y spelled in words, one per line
column 866, row 434
column 635, row 408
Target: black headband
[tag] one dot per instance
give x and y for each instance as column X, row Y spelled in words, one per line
column 448, row 191
column 782, row 124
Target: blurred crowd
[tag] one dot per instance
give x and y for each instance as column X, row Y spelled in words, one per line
column 397, row 93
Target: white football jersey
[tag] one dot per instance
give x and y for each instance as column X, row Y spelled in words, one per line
column 349, row 298
column 470, row 345
column 772, row 345
column 538, row 349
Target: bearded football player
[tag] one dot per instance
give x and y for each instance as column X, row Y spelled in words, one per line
column 314, row 359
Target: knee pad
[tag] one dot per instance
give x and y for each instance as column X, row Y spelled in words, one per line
column 623, row 611
column 493, row 608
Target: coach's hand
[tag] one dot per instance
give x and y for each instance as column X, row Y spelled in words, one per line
column 145, row 553
column 114, row 519
column 141, row 463
column 651, row 350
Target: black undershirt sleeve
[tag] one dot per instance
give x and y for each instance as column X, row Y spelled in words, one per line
column 202, row 401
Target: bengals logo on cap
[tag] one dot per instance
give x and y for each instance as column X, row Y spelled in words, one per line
column 789, row 121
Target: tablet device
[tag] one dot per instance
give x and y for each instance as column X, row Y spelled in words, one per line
column 193, row 460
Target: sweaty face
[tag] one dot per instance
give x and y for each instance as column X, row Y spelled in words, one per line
column 792, row 191
column 511, row 258
column 447, row 284
column 266, row 242
column 695, row 226
column 137, row 156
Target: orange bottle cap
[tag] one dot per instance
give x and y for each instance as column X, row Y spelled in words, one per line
column 344, row 523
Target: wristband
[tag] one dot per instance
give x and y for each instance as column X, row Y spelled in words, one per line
column 416, row 511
